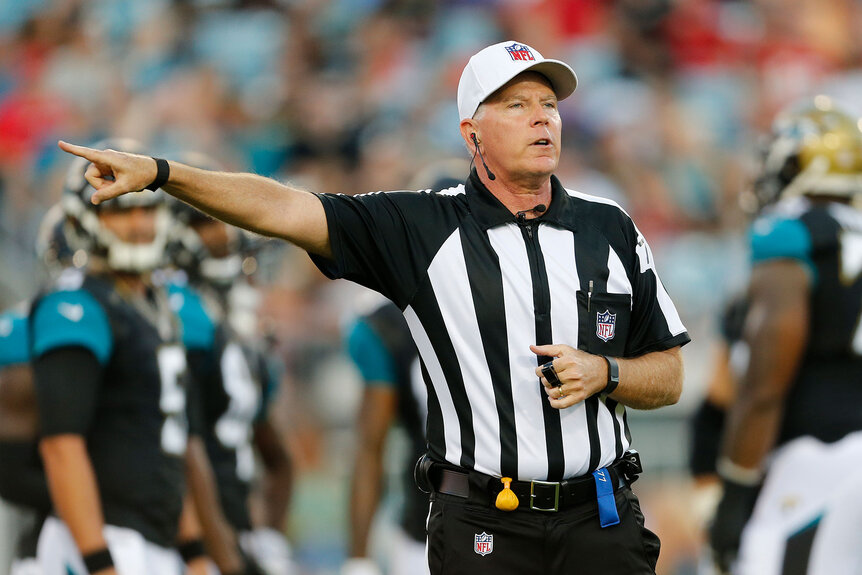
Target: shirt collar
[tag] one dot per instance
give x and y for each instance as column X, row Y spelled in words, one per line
column 490, row 212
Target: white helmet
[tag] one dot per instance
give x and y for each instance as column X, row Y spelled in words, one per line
column 101, row 242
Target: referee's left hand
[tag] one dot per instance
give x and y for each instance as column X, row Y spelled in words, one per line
column 581, row 374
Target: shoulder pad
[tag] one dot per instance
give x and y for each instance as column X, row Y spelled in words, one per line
column 198, row 327
column 14, row 339
column 71, row 318
column 777, row 237
column 370, row 354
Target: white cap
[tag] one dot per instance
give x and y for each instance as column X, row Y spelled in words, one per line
column 491, row 68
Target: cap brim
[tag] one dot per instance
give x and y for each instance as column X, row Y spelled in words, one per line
column 562, row 77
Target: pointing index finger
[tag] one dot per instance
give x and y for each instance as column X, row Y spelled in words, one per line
column 82, row 151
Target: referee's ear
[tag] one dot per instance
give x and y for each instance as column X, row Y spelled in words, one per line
column 468, row 127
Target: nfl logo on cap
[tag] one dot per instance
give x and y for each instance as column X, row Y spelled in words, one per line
column 483, row 543
column 520, row 52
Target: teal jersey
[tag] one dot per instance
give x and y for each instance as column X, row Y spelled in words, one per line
column 198, row 325
column 381, row 347
column 370, row 354
column 231, row 382
column 133, row 418
column 14, row 339
column 825, row 238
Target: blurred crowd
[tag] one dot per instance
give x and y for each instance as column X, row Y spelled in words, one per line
column 353, row 96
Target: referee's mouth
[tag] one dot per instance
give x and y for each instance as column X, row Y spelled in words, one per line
column 543, row 142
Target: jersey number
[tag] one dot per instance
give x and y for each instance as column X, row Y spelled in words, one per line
column 233, row 428
column 851, row 267
column 172, row 365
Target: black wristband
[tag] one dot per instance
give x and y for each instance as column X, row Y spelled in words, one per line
column 191, row 550
column 98, row 560
column 613, row 375
column 163, row 172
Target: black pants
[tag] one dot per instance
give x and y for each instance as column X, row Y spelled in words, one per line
column 524, row 542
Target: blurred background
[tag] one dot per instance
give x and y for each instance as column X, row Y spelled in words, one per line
column 353, row 96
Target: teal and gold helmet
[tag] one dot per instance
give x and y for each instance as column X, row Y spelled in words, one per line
column 815, row 149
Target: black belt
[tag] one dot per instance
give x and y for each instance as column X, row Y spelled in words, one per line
column 534, row 495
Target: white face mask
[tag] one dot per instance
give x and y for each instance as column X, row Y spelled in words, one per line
column 222, row 270
column 137, row 258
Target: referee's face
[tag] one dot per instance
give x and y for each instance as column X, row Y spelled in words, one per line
column 519, row 126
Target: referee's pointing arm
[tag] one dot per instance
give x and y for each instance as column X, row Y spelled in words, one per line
column 249, row 201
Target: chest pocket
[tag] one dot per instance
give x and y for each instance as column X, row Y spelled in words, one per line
column 603, row 322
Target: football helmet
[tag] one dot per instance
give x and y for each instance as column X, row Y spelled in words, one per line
column 95, row 238
column 189, row 251
column 815, row 148
column 55, row 242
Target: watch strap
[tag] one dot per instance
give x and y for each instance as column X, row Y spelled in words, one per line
column 613, row 375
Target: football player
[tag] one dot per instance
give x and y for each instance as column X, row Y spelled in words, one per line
column 380, row 346
column 792, row 445
column 707, row 424
column 22, row 483
column 379, row 343
column 238, row 381
column 22, row 479
column 110, row 375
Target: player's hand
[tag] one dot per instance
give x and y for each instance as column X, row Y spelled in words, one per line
column 725, row 533
column 198, row 566
column 581, row 374
column 114, row 173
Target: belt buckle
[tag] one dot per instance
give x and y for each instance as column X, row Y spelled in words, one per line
column 556, row 506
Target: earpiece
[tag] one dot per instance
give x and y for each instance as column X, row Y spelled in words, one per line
column 473, row 137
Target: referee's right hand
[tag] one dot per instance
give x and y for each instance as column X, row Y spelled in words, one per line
column 581, row 374
column 114, row 173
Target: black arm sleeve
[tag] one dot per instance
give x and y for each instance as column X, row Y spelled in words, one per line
column 707, row 428
column 67, row 385
column 199, row 363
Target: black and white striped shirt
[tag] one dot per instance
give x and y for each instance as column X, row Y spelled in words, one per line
column 478, row 288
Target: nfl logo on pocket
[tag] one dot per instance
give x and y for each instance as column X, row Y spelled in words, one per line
column 606, row 324
column 483, row 544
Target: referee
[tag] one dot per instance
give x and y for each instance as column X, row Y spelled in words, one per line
column 536, row 310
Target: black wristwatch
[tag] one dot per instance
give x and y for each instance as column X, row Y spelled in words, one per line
column 613, row 375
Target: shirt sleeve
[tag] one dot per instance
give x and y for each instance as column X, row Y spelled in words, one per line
column 71, row 319
column 14, row 339
column 774, row 237
column 67, row 386
column 656, row 325
column 197, row 324
column 384, row 240
column 370, row 355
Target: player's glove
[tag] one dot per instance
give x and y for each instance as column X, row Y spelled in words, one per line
column 360, row 566
column 270, row 551
column 734, row 509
